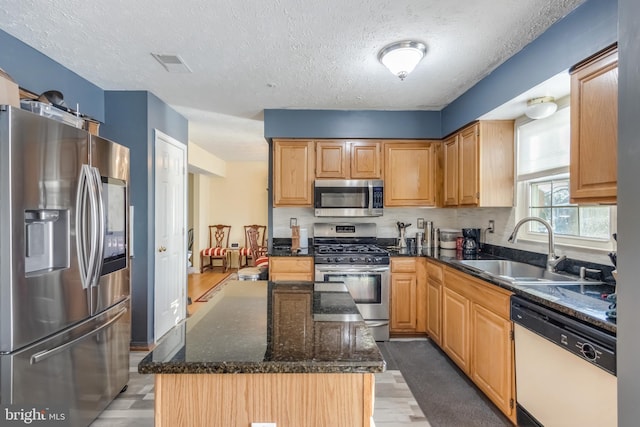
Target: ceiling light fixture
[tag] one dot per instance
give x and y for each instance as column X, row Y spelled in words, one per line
column 402, row 57
column 540, row 108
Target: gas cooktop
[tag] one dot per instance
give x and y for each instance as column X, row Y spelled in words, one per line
column 350, row 248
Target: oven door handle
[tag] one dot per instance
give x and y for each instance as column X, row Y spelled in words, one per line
column 352, row 270
column 376, row 324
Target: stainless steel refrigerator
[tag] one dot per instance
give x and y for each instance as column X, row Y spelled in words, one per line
column 64, row 268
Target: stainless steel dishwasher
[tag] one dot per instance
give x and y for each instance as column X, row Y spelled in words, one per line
column 565, row 370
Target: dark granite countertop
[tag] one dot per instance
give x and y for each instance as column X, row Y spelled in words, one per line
column 585, row 303
column 269, row 327
column 286, row 251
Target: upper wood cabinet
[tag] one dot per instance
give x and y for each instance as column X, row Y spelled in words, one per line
column 594, row 129
column 348, row 159
column 411, row 173
column 450, row 181
column 478, row 165
column 293, row 173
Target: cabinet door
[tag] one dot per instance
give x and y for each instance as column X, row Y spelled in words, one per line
column 292, row 173
column 468, row 191
column 451, row 171
column 434, row 311
column 455, row 327
column 410, row 173
column 332, row 159
column 492, row 357
column 403, row 302
column 421, row 295
column 292, row 325
column 594, row 131
column 366, row 162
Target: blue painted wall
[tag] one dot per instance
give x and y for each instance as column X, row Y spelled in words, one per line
column 588, row 29
column 351, row 124
column 131, row 117
column 126, row 122
column 38, row 73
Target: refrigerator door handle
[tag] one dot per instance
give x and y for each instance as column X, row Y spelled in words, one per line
column 81, row 226
column 45, row 354
column 99, row 229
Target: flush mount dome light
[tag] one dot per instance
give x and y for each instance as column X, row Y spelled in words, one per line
column 540, row 108
column 402, row 57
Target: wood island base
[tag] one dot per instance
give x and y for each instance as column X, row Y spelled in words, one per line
column 289, row 400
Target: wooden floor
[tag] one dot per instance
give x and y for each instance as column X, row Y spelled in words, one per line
column 198, row 284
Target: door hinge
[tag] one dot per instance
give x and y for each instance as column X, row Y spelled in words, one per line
column 511, row 403
column 511, row 335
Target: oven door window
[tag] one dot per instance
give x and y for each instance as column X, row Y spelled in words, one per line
column 364, row 288
column 342, row 197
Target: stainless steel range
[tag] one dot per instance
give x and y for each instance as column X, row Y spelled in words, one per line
column 348, row 253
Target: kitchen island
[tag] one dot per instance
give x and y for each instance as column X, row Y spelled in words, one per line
column 291, row 353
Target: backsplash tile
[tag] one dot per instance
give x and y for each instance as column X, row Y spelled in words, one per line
column 442, row 218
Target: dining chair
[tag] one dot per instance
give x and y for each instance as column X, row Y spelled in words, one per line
column 260, row 268
column 218, row 247
column 245, row 253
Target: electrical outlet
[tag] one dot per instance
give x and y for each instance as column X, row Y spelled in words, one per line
column 492, row 225
column 420, row 223
column 293, row 222
column 263, row 424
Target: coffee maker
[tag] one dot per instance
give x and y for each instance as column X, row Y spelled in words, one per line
column 471, row 242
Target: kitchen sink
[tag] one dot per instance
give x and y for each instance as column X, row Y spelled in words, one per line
column 520, row 273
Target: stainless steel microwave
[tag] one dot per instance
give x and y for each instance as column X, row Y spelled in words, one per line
column 348, row 197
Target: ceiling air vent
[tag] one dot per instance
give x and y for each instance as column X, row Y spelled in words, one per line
column 172, row 63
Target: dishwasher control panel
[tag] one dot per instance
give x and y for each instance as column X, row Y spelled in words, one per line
column 587, row 342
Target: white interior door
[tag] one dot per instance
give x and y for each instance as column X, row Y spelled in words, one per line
column 170, row 233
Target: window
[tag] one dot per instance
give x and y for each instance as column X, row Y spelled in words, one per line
column 543, row 187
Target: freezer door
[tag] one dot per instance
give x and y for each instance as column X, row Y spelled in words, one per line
column 111, row 162
column 80, row 370
column 40, row 162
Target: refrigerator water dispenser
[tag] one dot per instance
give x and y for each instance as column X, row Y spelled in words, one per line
column 46, row 240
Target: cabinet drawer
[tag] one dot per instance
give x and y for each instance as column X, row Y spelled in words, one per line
column 489, row 296
column 434, row 271
column 291, row 265
column 403, row 265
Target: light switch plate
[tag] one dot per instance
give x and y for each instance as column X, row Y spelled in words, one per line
column 420, row 222
column 263, row 424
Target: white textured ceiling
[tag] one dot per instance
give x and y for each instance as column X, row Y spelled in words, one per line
column 249, row 56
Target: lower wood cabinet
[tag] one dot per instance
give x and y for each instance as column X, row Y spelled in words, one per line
column 434, row 301
column 291, row 268
column 477, row 334
column 455, row 327
column 492, row 367
column 408, row 296
column 292, row 327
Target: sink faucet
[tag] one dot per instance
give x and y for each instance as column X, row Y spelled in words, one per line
column 552, row 259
